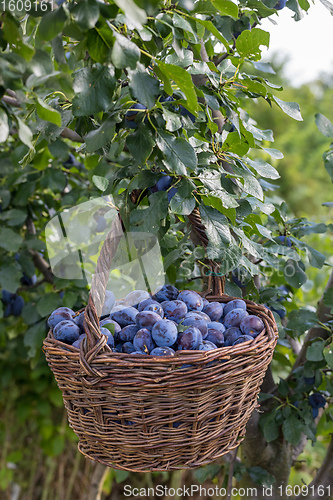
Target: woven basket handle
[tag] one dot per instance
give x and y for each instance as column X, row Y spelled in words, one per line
column 99, row 282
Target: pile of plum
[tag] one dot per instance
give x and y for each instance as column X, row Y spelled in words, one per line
column 163, row 323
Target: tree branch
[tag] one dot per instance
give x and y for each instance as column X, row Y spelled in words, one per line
column 41, row 264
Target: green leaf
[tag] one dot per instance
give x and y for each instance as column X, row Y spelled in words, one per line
column 328, row 160
column 173, row 120
column 179, row 154
column 52, row 24
column 25, row 134
column 47, row 113
column 86, row 14
column 54, row 180
column 98, row 138
column 15, row 217
column 248, row 43
column 328, row 355
column 324, row 125
column 144, row 87
column 4, row 127
column 208, row 472
column 217, row 230
column 149, row 219
column 328, row 297
column 133, row 12
column 290, row 108
column 100, row 182
column 140, row 144
column 9, row 240
column 33, row 338
column 94, row 88
column 30, row 314
column 301, row 320
column 100, row 40
column 226, row 7
column 210, row 27
column 292, row 429
column 10, row 277
column 182, row 206
column 47, row 304
column 184, row 81
column 263, row 168
column 269, row 427
column 294, row 275
column 124, row 53
column 315, row 351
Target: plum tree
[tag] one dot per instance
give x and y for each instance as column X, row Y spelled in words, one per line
column 69, row 77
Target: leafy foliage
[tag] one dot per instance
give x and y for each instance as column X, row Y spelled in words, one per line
column 69, row 78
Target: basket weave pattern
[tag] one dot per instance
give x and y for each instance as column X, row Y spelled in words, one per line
column 141, row 413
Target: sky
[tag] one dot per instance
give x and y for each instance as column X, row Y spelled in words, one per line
column 308, row 42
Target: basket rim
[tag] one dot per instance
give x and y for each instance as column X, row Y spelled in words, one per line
column 266, row 339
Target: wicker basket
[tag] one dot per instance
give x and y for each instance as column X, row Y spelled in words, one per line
column 141, row 413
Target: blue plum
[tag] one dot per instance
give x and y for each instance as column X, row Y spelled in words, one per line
column 206, row 345
column 198, row 322
column 124, row 315
column 205, row 302
column 216, row 325
column 189, row 339
column 230, row 335
column 198, row 314
column 111, row 325
column 185, row 112
column 309, row 380
column 109, row 301
column 66, row 331
column 175, row 310
column 171, row 193
column 77, row 342
column 166, row 292
column 127, row 333
column 214, row 310
column 251, row 325
column 60, row 314
column 134, row 115
column 135, row 297
column 315, row 412
column 162, row 351
column 162, row 184
column 234, row 304
column 147, row 319
column 234, row 317
column 192, row 299
column 143, row 341
column 317, row 400
column 79, row 320
column 118, row 347
column 284, row 240
column 164, row 333
column 109, row 336
column 243, row 338
column 280, row 5
column 128, row 348
column 100, row 224
column 144, row 303
column 17, row 305
column 155, row 307
column 215, row 336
